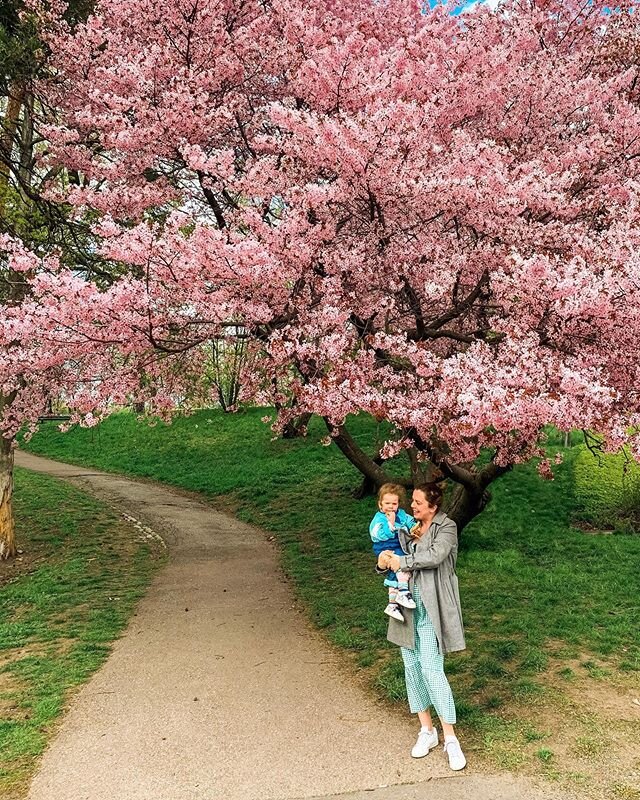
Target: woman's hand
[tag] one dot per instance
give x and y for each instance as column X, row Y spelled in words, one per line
column 393, row 561
column 388, row 560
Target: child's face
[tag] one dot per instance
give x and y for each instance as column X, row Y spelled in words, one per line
column 389, row 502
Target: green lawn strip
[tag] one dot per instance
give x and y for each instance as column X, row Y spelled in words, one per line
column 61, row 607
column 608, row 490
column 536, row 592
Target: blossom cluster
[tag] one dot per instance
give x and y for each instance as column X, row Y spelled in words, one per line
column 431, row 220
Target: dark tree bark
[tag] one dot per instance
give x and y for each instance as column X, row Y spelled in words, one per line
column 465, row 503
column 468, row 498
column 296, row 427
column 363, row 462
column 368, row 487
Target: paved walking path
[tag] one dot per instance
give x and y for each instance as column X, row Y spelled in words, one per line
column 220, row 690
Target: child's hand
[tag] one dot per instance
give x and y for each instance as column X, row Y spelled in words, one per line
column 391, row 517
column 393, row 562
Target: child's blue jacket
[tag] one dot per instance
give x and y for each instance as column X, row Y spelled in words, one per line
column 381, row 531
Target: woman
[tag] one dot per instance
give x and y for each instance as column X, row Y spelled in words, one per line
column 435, row 627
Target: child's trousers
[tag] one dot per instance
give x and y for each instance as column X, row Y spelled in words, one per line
column 390, row 578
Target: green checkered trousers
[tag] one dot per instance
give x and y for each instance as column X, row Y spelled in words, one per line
column 427, row 685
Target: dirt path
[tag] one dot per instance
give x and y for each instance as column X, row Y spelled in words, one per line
column 219, row 689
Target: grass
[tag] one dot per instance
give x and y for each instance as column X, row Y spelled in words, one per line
column 62, row 602
column 538, row 594
column 608, row 490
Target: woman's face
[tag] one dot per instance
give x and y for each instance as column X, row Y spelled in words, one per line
column 421, row 507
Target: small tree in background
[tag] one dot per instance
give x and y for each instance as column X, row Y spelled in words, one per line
column 228, row 360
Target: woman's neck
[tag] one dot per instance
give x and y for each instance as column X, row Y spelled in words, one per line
column 426, row 523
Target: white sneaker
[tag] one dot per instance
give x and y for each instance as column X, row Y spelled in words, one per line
column 456, row 756
column 426, row 741
column 405, row 599
column 392, row 610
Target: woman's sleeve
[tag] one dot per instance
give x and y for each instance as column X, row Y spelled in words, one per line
column 433, row 552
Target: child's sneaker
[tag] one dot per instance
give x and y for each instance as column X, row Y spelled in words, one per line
column 393, row 611
column 405, row 599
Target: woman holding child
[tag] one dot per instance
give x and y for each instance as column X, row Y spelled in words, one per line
column 428, row 551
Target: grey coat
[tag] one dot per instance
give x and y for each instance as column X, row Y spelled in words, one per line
column 432, row 563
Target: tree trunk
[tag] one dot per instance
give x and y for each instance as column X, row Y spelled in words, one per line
column 7, row 524
column 8, row 129
column 469, row 497
column 368, row 466
column 297, row 427
column 368, row 487
column 465, row 504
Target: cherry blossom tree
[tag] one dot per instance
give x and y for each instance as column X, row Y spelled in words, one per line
column 28, row 221
column 429, row 218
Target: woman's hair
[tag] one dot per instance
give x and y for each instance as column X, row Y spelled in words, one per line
column 392, row 488
column 432, row 491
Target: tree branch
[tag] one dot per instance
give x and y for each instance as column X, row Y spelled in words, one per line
column 452, row 471
column 458, row 308
column 212, row 200
column 356, row 455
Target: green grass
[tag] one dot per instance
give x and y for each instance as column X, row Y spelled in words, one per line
column 534, row 589
column 607, row 489
column 544, row 754
column 71, row 594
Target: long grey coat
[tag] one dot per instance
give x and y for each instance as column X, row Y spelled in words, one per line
column 432, row 563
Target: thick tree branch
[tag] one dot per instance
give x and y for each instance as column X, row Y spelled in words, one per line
column 464, row 305
column 415, row 306
column 418, row 474
column 356, row 455
column 213, row 201
column 491, row 472
column 452, row 471
column 415, row 335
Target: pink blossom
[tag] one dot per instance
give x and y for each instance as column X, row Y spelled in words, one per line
column 432, row 222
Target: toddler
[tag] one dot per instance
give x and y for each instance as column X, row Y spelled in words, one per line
column 384, row 535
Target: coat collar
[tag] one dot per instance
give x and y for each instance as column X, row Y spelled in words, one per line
column 438, row 519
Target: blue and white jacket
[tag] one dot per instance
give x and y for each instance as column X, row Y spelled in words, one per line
column 383, row 536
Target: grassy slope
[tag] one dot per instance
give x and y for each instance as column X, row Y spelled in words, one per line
column 608, row 489
column 543, row 602
column 61, row 605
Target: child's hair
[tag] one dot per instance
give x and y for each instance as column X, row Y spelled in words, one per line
column 432, row 492
column 392, row 488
